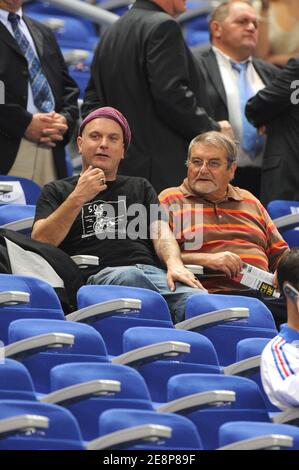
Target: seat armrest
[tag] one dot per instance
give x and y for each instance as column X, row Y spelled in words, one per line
column 146, row 432
column 244, row 368
column 196, row 401
column 36, row 344
column 6, row 187
column 216, row 317
column 83, row 391
column 287, row 222
column 113, row 4
column 55, row 24
column 105, row 309
column 18, row 225
column 22, row 423
column 195, row 268
column 267, row 442
column 13, row 297
column 83, row 261
column 151, row 353
column 289, row 416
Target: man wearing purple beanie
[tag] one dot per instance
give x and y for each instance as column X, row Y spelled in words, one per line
column 95, row 214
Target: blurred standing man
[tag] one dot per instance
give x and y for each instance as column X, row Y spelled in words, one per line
column 276, row 108
column 40, row 107
column 229, row 76
column 143, row 67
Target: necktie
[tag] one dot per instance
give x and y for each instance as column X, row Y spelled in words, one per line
column 252, row 142
column 42, row 96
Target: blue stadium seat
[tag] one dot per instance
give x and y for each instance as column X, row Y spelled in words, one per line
column 230, row 433
column 132, row 392
column 17, row 217
column 50, row 427
column 70, row 32
column 15, row 381
column 225, row 336
column 248, row 405
column 88, row 346
column 184, row 435
column 154, row 312
column 44, row 8
column 285, row 215
column 31, row 190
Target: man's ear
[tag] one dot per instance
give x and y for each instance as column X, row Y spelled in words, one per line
column 233, row 170
column 216, row 29
column 79, row 143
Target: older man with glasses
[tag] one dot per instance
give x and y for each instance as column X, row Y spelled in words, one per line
column 220, row 226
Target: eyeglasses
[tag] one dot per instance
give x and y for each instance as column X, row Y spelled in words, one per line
column 211, row 164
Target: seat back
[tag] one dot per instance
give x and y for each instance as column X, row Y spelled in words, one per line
column 278, row 208
column 154, row 312
column 202, row 357
column 30, row 190
column 225, row 336
column 133, row 393
column 249, row 404
column 230, row 433
column 184, row 435
column 292, row 237
column 17, row 217
column 43, row 302
column 15, row 381
column 88, row 347
column 62, row 433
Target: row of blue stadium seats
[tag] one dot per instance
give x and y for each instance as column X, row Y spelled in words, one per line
column 126, row 418
column 135, row 327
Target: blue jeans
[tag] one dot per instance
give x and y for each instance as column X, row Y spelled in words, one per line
column 148, row 277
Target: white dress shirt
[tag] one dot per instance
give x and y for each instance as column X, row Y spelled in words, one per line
column 230, row 82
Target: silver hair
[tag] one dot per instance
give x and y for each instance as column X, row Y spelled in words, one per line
column 216, row 139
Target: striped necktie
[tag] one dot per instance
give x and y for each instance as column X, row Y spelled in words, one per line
column 252, row 142
column 42, row 95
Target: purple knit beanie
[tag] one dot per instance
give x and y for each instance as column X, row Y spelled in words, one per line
column 109, row 113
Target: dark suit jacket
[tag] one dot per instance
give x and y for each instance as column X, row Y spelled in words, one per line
column 277, row 107
column 14, row 118
column 143, row 67
column 212, row 92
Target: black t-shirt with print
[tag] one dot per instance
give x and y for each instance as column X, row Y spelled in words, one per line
column 113, row 226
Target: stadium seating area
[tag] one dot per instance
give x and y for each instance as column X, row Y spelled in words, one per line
column 117, row 373
column 149, row 385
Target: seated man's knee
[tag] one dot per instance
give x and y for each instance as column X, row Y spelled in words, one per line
column 131, row 276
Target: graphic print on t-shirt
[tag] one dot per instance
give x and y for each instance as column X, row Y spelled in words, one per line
column 104, row 219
